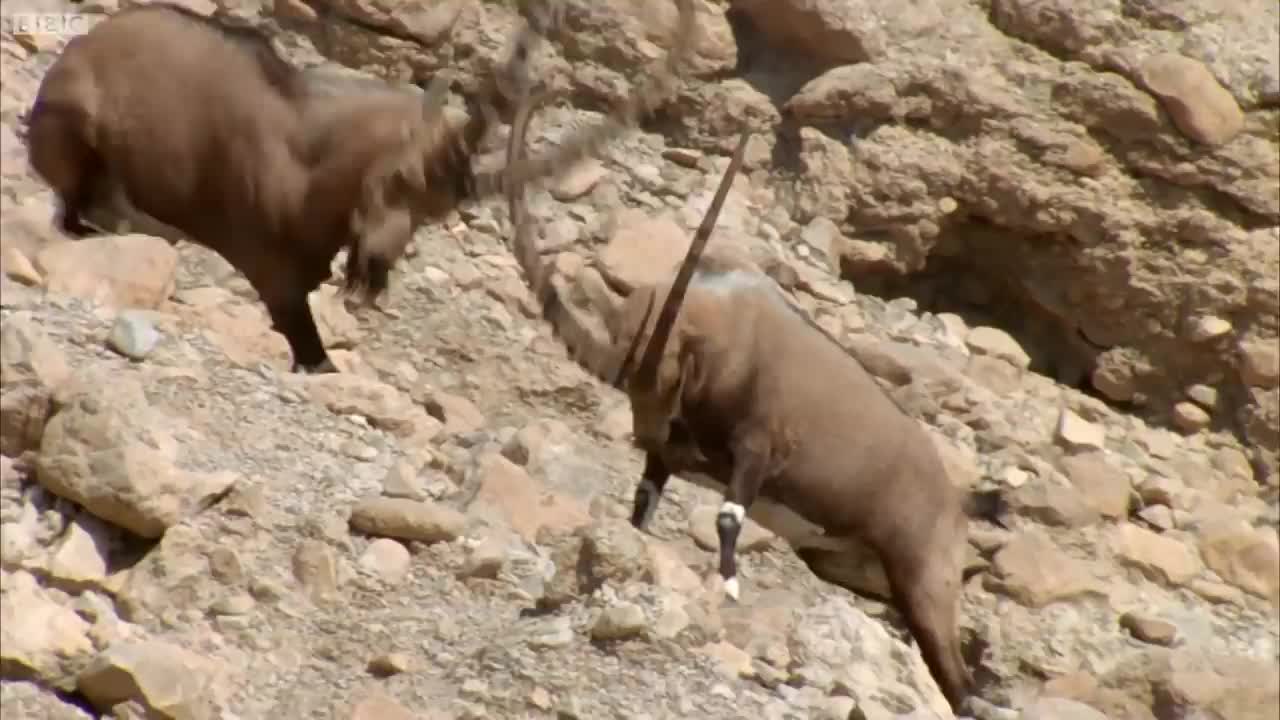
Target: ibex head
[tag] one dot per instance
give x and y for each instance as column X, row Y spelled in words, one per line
column 657, row 385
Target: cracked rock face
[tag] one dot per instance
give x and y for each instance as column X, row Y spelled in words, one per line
column 1048, row 228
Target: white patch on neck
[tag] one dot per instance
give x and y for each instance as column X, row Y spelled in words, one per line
column 725, row 284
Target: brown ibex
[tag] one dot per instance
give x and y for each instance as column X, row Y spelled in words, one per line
column 738, row 391
column 208, row 131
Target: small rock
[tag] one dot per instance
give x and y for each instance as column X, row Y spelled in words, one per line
column 668, row 571
column 1207, row 328
column 683, row 156
column 1054, row 708
column 378, row 706
column 1260, row 363
column 315, row 565
column 1103, row 486
column 1203, row 395
column 823, row 237
column 1160, row 516
column 1235, row 468
column 18, row 267
column 485, row 559
column 511, row 495
column 386, row 407
column 994, row 374
column 1244, row 556
column 1076, row 432
column 388, row 664
column 1160, row 558
column 731, row 660
column 116, row 270
column 459, row 415
column 1053, row 503
column 541, row 699
column 1115, row 382
column 37, row 633
column 619, row 622
column 616, row 422
column 578, row 180
column 403, row 519
column 80, row 558
column 1149, row 629
column 238, row 604
column 1159, row 490
column 642, row 249
column 403, row 481
column 983, row 340
column 1216, row 592
column 165, row 679
column 109, row 451
column 1190, row 418
column 1015, row 477
column 338, row 328
column 297, row 11
column 551, row 634
column 387, row 559
column 841, row 707
column 1160, row 443
column 133, row 335
column 1031, row 569
column 1201, row 108
column 672, row 620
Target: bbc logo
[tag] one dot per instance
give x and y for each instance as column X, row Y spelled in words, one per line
column 48, row 23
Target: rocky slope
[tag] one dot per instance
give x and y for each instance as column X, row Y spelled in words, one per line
column 1017, row 190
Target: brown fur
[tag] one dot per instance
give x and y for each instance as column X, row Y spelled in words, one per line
column 204, row 129
column 749, row 396
column 212, row 135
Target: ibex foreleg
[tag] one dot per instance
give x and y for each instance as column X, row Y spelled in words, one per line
column 649, row 490
column 750, row 464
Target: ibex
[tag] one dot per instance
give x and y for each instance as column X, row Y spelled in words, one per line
column 739, row 391
column 210, row 133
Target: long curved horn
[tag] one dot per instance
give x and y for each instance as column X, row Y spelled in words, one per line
column 647, row 374
column 649, row 95
column 583, row 344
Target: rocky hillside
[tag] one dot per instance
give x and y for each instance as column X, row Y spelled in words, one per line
column 1051, row 229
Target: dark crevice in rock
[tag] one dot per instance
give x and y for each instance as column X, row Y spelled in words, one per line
column 984, row 288
column 994, row 276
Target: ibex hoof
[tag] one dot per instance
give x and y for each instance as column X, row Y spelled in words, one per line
column 321, row 368
column 732, row 589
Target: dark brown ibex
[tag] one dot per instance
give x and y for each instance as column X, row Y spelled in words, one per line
column 208, row 131
column 738, row 391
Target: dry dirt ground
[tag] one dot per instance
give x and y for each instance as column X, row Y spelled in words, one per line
column 1049, row 228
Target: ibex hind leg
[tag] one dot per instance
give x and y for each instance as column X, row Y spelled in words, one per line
column 926, row 588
